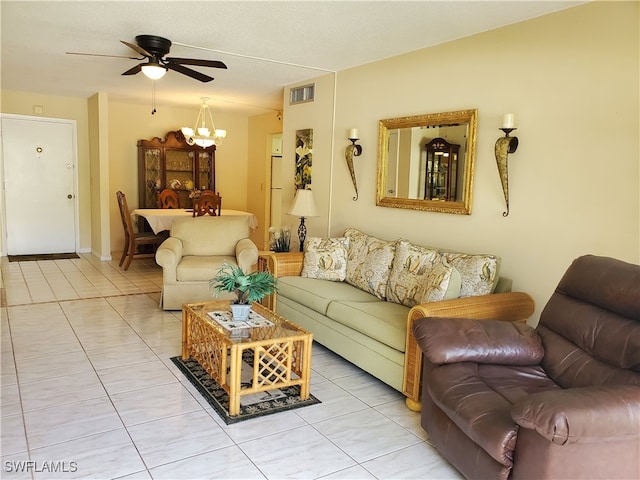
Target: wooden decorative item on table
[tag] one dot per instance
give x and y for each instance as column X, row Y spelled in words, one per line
column 207, row 204
column 168, row 198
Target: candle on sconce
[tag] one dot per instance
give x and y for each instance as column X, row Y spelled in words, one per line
column 508, row 120
column 353, row 133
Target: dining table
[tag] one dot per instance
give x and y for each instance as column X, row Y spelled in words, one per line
column 161, row 219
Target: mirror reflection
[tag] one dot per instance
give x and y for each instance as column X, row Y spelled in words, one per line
column 425, row 162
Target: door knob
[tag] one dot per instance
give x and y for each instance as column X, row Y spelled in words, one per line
column 69, row 196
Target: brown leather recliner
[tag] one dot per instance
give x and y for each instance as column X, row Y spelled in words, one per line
column 561, row 401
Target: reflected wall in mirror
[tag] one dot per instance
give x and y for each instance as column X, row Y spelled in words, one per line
column 425, row 162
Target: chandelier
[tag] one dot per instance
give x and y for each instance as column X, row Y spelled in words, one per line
column 200, row 134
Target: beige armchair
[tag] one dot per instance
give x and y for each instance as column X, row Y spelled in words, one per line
column 195, row 250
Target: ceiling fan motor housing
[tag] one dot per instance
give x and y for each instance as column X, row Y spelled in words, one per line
column 157, row 46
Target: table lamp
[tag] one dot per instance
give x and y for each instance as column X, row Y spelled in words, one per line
column 303, row 207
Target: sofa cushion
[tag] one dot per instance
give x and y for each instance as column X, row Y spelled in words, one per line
column 317, row 294
column 385, row 322
column 479, row 273
column 325, row 259
column 201, row 268
column 369, row 262
column 210, row 235
column 421, row 275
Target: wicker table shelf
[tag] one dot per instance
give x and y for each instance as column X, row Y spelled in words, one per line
column 281, row 353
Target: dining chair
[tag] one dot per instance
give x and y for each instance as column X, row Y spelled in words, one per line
column 207, row 204
column 168, row 198
column 132, row 239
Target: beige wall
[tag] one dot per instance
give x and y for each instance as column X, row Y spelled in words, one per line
column 261, row 129
column 99, row 147
column 317, row 115
column 571, row 79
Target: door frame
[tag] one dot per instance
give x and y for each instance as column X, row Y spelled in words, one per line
column 74, row 153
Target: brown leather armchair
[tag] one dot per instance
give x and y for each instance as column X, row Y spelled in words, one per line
column 562, row 401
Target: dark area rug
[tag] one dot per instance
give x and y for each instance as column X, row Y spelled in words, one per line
column 42, row 256
column 251, row 406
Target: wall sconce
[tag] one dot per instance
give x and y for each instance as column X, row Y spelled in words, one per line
column 351, row 151
column 504, row 146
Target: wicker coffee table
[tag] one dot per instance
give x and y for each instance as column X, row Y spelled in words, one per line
column 281, row 351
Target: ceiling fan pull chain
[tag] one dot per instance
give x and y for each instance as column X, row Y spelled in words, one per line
column 153, row 97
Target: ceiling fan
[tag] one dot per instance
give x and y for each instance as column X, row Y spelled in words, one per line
column 154, row 49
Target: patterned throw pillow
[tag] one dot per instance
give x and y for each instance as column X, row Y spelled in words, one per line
column 479, row 272
column 325, row 259
column 421, row 275
column 369, row 262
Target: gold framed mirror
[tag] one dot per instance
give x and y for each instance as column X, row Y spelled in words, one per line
column 426, row 162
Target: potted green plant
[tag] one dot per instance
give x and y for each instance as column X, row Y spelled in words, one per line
column 248, row 287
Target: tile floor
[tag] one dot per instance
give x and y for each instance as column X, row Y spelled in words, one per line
column 88, row 391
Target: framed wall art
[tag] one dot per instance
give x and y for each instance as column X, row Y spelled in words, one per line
column 304, row 157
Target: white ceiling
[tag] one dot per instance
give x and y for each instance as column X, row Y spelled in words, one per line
column 266, row 44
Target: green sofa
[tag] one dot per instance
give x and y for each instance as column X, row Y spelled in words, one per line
column 368, row 321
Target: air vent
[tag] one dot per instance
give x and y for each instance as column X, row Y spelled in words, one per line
column 302, row 94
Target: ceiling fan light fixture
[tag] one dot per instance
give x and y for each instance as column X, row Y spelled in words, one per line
column 201, row 134
column 154, row 71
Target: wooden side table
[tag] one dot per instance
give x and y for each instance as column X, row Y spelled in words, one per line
column 279, row 264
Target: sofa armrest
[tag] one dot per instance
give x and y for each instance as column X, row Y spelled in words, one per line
column 168, row 255
column 582, row 415
column 506, row 307
column 246, row 254
column 452, row 340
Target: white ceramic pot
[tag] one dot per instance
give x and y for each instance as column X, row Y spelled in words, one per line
column 240, row 312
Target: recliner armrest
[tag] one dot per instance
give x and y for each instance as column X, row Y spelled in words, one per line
column 506, row 307
column 168, row 255
column 582, row 415
column 452, row 340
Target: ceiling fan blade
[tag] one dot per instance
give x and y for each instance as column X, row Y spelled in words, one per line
column 196, row 61
column 137, row 48
column 101, row 55
column 189, row 72
column 134, row 70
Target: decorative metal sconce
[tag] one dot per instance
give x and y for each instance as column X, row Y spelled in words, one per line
column 504, row 146
column 351, row 151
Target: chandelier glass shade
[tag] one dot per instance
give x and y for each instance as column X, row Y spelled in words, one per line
column 201, row 134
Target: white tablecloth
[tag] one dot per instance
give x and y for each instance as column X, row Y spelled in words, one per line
column 161, row 219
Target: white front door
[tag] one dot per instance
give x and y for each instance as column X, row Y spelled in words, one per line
column 39, row 158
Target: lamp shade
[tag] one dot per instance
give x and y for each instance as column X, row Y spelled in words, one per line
column 303, row 204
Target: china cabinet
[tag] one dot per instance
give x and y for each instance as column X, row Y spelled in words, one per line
column 441, row 171
column 172, row 163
